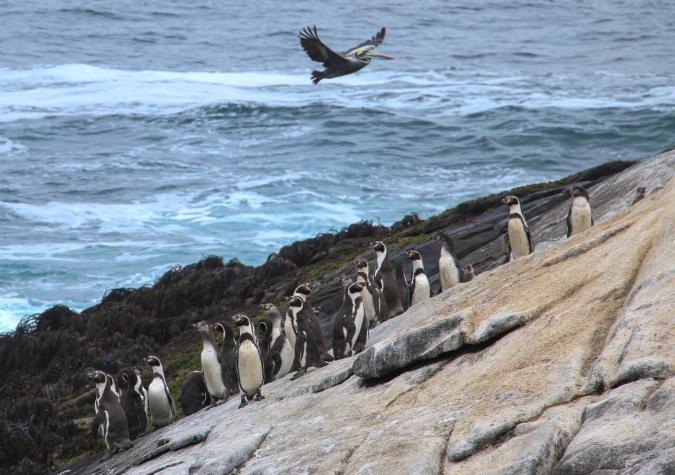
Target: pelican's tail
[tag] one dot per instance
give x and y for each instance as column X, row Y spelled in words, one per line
column 318, row 76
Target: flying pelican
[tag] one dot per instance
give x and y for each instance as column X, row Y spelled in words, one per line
column 340, row 64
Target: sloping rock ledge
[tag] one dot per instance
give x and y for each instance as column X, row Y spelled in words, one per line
column 562, row 362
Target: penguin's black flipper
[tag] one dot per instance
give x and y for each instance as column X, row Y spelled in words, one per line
column 98, row 420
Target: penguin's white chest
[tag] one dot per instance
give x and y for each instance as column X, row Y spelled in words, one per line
column 359, row 318
column 159, row 404
column 369, row 306
column 422, row 289
column 249, row 366
column 286, row 354
column 448, row 271
column 213, row 375
column 290, row 332
column 520, row 246
column 580, row 215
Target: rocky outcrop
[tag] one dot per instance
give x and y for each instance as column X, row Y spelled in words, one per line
column 560, row 362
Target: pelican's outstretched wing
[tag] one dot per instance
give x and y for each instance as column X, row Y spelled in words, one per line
column 317, row 50
column 374, row 42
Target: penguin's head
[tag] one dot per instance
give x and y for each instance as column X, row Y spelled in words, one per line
column 344, row 280
column 224, row 330
column 263, row 328
column 447, row 240
column 127, row 378
column 413, row 255
column 244, row 323
column 361, row 264
column 355, row 290
column 378, row 246
column 153, row 361
column 202, row 327
column 304, row 289
column 468, row 268
column 295, row 302
column 97, row 376
column 510, row 200
column 576, row 191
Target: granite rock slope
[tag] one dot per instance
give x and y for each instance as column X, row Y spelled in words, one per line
column 560, row 362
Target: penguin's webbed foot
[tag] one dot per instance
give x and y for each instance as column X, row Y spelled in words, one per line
column 215, row 403
column 298, row 374
column 327, row 356
column 259, row 396
column 243, row 401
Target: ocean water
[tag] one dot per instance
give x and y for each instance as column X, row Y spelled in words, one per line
column 136, row 136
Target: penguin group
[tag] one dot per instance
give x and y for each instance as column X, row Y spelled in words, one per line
column 241, row 354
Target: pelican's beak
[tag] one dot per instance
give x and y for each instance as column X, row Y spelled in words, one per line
column 376, row 55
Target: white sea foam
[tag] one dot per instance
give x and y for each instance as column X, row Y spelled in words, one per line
column 93, row 90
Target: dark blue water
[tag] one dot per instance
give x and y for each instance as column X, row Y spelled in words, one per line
column 137, row 136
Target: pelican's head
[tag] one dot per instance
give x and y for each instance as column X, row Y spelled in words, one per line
column 366, row 54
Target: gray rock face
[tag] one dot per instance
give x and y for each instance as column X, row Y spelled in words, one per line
column 630, row 430
column 560, row 362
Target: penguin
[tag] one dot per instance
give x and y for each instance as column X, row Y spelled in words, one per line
column 299, row 333
column 110, row 416
column 579, row 216
column 228, row 355
column 520, row 239
column 141, row 389
column 212, row 367
column 342, row 319
column 420, row 289
column 467, row 273
column 373, row 301
column 282, row 351
column 263, row 329
column 193, row 394
column 250, row 366
column 133, row 401
column 160, row 402
column 385, row 278
column 312, row 319
column 357, row 330
column 448, row 267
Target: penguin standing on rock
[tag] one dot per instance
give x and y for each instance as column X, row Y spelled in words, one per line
column 420, row 289
column 133, row 401
column 212, row 367
column 519, row 237
column 263, row 328
column 228, row 356
column 193, row 394
column 385, row 278
column 579, row 216
column 448, row 266
column 299, row 334
column 110, row 416
column 160, row 402
column 282, row 352
column 250, row 366
column 341, row 320
column 373, row 301
column 303, row 291
column 357, row 324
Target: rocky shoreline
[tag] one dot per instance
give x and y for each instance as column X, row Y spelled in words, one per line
column 441, row 385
